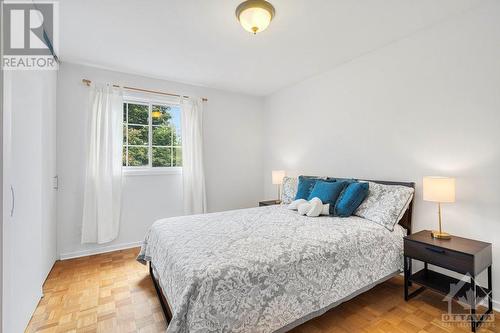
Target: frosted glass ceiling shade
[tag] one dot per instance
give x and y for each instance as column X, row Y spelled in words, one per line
column 439, row 189
column 255, row 15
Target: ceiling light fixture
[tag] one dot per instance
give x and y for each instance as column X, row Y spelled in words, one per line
column 255, row 15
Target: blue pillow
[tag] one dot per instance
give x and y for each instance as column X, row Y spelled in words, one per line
column 328, row 192
column 350, row 199
column 305, row 187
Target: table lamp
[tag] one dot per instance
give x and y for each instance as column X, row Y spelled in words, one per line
column 440, row 190
column 278, row 176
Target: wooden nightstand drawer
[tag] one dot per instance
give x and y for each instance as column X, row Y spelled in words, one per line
column 269, row 203
column 455, row 261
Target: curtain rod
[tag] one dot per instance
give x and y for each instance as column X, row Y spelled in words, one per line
column 88, row 82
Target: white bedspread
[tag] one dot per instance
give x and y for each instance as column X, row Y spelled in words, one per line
column 263, row 269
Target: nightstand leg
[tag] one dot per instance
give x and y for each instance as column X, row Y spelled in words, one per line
column 490, row 287
column 405, row 270
column 473, row 305
column 410, row 271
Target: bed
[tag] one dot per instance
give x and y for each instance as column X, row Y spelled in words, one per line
column 265, row 269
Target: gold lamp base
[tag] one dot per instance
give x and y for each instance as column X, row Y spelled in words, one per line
column 440, row 235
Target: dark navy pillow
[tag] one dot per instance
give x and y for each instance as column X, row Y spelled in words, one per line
column 328, row 192
column 334, row 179
column 305, row 187
column 350, row 199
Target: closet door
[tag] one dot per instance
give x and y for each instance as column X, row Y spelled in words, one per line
column 22, row 229
column 49, row 180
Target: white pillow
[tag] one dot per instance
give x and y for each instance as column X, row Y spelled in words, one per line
column 294, row 205
column 289, row 189
column 312, row 208
column 304, row 208
column 326, row 210
column 316, row 207
column 385, row 204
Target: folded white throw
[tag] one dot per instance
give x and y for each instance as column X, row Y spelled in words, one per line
column 312, row 208
column 294, row 205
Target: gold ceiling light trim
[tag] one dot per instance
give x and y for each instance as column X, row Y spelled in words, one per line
column 255, row 15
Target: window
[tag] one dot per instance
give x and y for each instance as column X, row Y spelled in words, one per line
column 151, row 136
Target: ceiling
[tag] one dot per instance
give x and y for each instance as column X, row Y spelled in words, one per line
column 200, row 41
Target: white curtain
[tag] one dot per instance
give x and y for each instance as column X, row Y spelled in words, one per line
column 193, row 176
column 103, row 180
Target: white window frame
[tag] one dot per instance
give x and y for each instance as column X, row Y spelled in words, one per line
column 149, row 169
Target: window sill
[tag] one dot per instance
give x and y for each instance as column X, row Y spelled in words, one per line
column 151, row 171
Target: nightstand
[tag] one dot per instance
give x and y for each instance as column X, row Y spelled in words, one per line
column 269, row 202
column 461, row 255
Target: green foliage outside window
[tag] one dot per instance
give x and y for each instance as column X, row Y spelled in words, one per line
column 165, row 144
column 138, row 114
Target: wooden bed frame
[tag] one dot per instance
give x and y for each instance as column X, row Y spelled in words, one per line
column 405, row 222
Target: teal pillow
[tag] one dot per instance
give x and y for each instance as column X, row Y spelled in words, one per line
column 350, row 199
column 328, row 192
column 305, row 187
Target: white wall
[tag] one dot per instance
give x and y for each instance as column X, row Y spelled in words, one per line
column 232, row 147
column 428, row 104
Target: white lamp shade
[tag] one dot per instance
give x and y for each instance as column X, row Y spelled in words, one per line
column 278, row 176
column 439, row 189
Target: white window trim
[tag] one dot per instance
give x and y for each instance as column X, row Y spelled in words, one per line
column 149, row 169
column 140, row 171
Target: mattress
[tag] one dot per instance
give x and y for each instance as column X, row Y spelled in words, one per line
column 265, row 269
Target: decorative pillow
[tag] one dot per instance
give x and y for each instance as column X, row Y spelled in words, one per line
column 316, row 207
column 312, row 208
column 304, row 208
column 403, row 211
column 327, row 191
column 294, row 205
column 350, row 199
column 334, row 179
column 289, row 190
column 305, row 186
column 326, row 210
column 384, row 204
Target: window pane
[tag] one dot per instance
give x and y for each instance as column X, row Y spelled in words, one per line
column 162, row 136
column 162, row 157
column 124, row 134
column 177, row 157
column 138, row 114
column 138, row 135
column 138, row 156
column 124, row 156
column 168, row 116
column 161, row 115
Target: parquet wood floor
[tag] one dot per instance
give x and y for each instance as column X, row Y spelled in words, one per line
column 111, row 292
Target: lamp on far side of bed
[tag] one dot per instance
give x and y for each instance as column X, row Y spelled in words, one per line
column 278, row 176
column 440, row 190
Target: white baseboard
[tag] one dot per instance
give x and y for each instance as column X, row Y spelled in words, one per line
column 98, row 250
column 496, row 305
